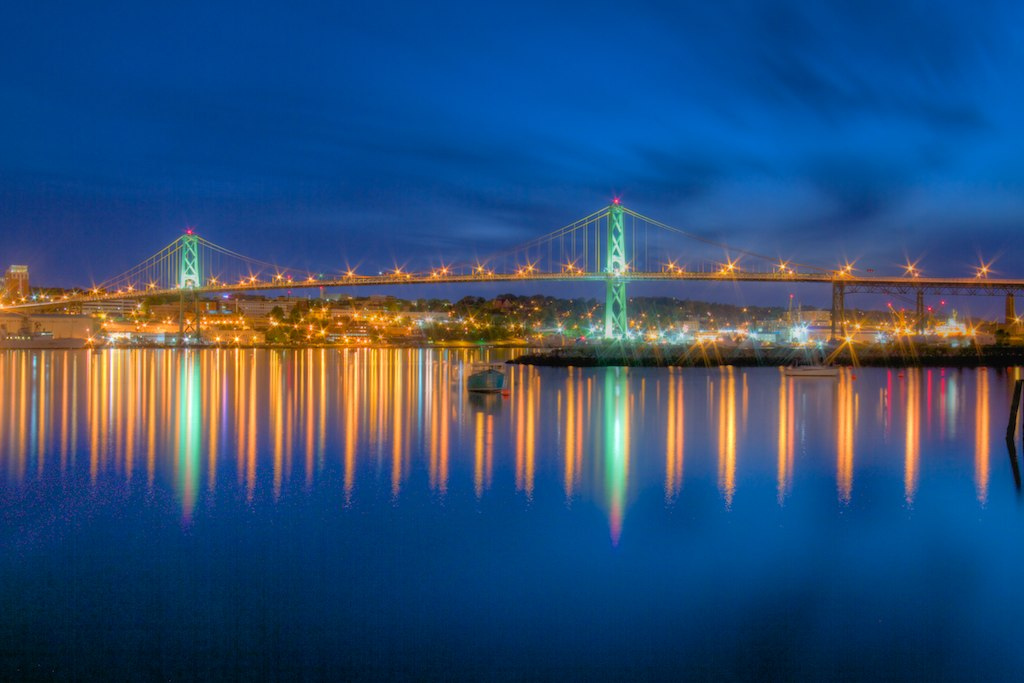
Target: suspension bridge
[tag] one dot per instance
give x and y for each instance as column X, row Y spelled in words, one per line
column 614, row 246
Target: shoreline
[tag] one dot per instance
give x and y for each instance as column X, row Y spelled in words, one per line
column 688, row 356
column 639, row 355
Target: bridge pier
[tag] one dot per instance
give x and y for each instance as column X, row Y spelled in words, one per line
column 838, row 313
column 184, row 324
column 1011, row 312
column 919, row 310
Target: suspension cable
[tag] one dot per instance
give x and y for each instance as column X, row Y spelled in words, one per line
column 720, row 245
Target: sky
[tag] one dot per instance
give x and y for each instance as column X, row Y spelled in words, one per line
column 318, row 134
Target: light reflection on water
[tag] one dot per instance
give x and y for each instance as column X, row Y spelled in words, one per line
column 196, row 421
column 737, row 475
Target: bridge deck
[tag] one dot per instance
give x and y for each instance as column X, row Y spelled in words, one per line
column 850, row 284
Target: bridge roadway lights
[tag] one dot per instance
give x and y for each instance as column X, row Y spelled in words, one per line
column 616, row 324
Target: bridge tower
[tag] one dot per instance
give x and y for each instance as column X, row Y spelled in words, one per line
column 188, row 273
column 616, row 324
column 189, row 278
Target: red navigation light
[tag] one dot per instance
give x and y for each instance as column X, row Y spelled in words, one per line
column 943, row 302
column 188, row 231
column 615, row 201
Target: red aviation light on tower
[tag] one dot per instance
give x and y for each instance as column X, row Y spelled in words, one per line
column 616, row 201
column 189, row 231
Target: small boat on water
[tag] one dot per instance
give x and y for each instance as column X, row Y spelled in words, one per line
column 486, row 378
column 803, row 366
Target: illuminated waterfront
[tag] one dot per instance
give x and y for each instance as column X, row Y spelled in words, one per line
column 320, row 511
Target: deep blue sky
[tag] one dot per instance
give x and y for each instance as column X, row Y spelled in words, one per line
column 310, row 134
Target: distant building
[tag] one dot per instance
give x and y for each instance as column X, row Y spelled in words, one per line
column 16, row 282
column 816, row 317
column 425, row 316
column 118, row 308
column 690, row 325
column 261, row 308
column 818, row 333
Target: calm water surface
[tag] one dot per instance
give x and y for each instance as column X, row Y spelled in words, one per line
column 325, row 513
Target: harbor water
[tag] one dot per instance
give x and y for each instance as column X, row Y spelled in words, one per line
column 329, row 513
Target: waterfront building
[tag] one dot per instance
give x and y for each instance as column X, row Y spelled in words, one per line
column 110, row 308
column 59, row 325
column 16, row 282
column 262, row 307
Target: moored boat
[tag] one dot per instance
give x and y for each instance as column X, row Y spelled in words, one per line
column 486, row 379
column 39, row 340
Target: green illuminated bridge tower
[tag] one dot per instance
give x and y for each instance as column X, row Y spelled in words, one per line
column 190, row 271
column 616, row 323
column 189, row 279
